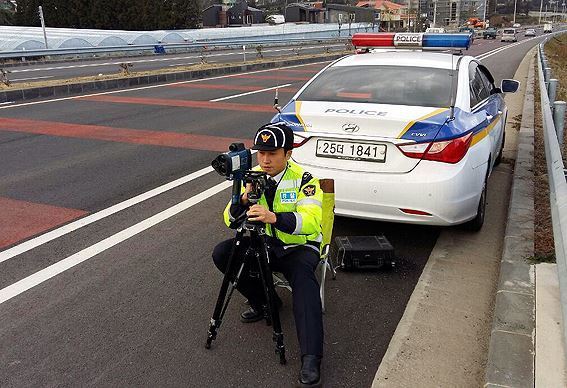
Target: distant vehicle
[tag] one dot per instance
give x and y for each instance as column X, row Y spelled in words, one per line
column 275, row 19
column 475, row 22
column 469, row 31
column 547, row 28
column 530, row 32
column 509, row 35
column 435, row 30
column 516, row 25
column 490, row 33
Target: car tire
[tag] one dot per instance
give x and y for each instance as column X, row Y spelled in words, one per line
column 476, row 223
column 499, row 157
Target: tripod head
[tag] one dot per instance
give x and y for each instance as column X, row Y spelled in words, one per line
column 259, row 182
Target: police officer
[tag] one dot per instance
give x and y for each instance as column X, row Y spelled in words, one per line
column 291, row 209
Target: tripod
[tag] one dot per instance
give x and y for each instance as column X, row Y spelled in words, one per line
column 257, row 251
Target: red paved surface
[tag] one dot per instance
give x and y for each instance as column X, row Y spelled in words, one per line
column 181, row 103
column 240, row 88
column 275, row 77
column 123, row 135
column 20, row 219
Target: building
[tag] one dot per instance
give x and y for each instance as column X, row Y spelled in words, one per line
column 393, row 16
column 239, row 14
column 242, row 14
column 305, row 12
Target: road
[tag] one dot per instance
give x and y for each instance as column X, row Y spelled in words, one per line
column 124, row 297
column 109, row 65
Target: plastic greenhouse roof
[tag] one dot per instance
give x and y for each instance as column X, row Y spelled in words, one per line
column 29, row 38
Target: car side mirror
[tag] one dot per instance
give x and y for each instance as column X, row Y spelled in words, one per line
column 509, row 86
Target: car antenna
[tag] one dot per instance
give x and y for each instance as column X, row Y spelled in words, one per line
column 276, row 100
column 452, row 95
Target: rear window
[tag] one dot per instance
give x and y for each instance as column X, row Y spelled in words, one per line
column 395, row 85
column 509, row 31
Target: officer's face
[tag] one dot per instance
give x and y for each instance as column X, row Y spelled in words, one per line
column 273, row 162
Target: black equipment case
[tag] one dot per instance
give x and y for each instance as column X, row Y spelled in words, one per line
column 364, row 252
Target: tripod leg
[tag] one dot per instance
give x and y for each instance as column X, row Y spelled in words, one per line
column 227, row 286
column 269, row 289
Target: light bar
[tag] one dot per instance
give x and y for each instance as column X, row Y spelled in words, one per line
column 411, row 40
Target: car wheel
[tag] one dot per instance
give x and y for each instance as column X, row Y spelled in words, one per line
column 476, row 223
column 499, row 157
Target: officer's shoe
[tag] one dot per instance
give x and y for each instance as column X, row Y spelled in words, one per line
column 255, row 314
column 310, row 374
column 252, row 314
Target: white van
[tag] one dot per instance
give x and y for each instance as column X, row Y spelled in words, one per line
column 275, row 19
column 435, row 30
column 509, row 35
column 547, row 28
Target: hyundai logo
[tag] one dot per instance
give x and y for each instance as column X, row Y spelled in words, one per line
column 351, row 128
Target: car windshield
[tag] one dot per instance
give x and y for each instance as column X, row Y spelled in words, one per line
column 395, row 85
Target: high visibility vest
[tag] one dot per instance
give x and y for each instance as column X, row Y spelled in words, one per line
column 298, row 206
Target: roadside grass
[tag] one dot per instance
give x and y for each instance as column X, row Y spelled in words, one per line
column 544, row 248
column 556, row 53
column 178, row 69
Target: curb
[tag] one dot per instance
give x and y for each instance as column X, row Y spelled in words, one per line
column 511, row 350
column 126, row 82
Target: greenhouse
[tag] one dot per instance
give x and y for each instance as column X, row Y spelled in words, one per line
column 31, row 38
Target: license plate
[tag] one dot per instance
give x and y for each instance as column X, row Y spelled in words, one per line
column 351, row 150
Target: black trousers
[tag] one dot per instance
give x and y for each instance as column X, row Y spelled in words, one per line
column 297, row 265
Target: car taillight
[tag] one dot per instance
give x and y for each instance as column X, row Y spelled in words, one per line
column 298, row 141
column 446, row 151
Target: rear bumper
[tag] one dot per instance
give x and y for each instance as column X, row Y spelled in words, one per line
column 450, row 193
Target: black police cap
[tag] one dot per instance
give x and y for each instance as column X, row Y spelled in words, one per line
column 270, row 137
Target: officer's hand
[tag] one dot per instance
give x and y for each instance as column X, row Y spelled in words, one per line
column 244, row 198
column 260, row 213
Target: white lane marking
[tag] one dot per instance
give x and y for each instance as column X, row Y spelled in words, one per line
column 56, row 233
column 47, row 273
column 155, row 86
column 7, row 102
column 499, row 49
column 153, row 60
column 29, row 79
column 248, row 93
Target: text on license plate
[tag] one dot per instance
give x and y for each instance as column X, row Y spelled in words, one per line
column 351, row 150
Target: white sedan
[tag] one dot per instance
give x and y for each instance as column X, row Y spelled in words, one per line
column 408, row 136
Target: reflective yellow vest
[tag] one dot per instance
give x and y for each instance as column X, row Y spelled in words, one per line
column 298, row 208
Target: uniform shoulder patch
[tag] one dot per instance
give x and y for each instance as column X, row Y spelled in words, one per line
column 309, row 190
column 306, row 178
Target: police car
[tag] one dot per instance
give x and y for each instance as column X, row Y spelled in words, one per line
column 409, row 136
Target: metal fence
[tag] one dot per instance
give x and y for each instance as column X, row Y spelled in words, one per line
column 553, row 121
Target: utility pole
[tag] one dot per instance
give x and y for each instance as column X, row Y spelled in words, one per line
column 434, row 13
column 43, row 26
column 484, row 13
column 540, row 9
column 515, row 3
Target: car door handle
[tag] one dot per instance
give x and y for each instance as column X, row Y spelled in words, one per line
column 489, row 117
column 499, row 112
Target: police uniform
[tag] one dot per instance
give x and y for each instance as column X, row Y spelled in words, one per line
column 293, row 241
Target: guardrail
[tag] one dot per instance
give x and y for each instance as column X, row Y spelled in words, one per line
column 557, row 181
column 306, row 37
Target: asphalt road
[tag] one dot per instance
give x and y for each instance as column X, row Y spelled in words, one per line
column 126, row 300
column 110, row 65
